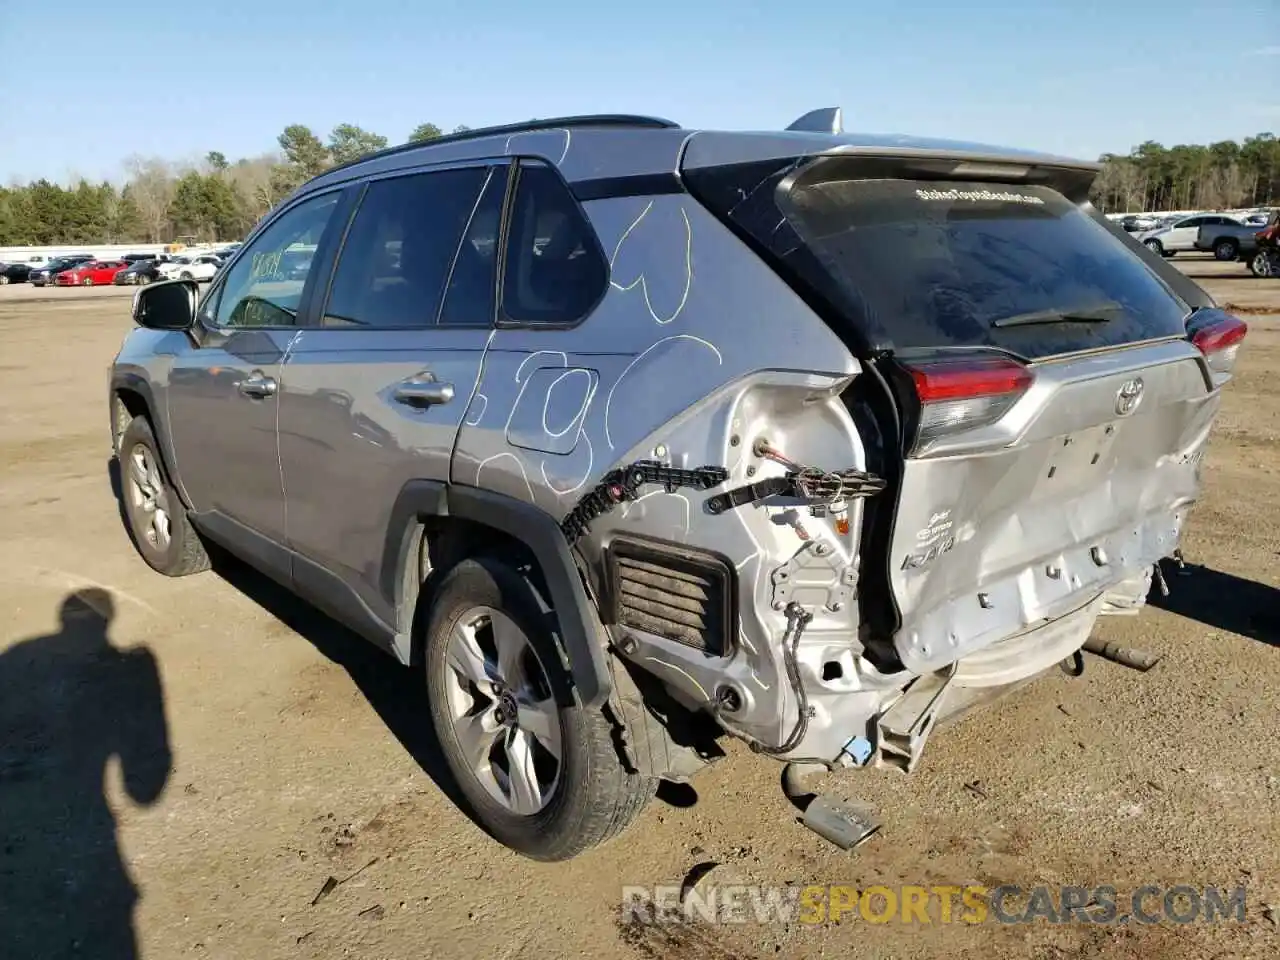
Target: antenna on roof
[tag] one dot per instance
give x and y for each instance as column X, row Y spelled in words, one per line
column 822, row 120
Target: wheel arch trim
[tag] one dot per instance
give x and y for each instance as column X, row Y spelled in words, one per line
column 533, row 527
column 127, row 382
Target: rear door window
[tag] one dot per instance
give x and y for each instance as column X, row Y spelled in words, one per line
column 951, row 264
column 414, row 238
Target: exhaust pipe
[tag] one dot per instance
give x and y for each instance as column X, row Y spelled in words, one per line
column 1135, row 659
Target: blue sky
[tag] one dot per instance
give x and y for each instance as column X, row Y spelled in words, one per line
column 83, row 85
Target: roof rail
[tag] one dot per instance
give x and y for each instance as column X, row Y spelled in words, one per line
column 530, row 126
column 822, row 120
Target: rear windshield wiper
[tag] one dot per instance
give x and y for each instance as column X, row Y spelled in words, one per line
column 1098, row 313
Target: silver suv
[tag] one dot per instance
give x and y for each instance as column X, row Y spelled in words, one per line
column 630, row 437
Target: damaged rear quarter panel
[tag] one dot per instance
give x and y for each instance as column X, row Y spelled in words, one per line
column 696, row 349
column 689, row 310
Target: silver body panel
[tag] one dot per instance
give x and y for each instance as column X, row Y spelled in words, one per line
column 347, row 447
column 225, row 441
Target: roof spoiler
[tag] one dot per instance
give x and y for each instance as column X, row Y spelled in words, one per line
column 822, row 120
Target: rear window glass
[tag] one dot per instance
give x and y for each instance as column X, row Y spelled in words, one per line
column 941, row 263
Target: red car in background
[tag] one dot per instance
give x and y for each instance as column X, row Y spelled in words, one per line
column 88, row 274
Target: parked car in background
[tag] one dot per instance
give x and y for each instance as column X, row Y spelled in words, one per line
column 90, row 273
column 1180, row 235
column 139, row 272
column 1228, row 241
column 1265, row 261
column 295, row 264
column 55, row 266
column 1137, row 223
column 137, row 257
column 14, row 273
column 200, row 268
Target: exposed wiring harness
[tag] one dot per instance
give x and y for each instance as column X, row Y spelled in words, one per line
column 820, row 489
column 797, row 619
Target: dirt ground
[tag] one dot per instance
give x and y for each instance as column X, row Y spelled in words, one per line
column 202, row 763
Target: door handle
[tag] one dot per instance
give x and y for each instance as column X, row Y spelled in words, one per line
column 258, row 385
column 421, row 392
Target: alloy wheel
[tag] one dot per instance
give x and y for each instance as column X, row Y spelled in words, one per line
column 503, row 712
column 150, row 500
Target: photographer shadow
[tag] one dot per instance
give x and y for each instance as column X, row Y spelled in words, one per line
column 70, row 702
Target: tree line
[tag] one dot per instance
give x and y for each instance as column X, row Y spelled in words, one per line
column 218, row 199
column 1220, row 176
column 212, row 199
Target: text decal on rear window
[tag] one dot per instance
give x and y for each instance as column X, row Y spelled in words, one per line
column 974, row 196
column 266, row 265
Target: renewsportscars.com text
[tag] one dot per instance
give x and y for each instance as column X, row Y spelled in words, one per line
column 935, row 904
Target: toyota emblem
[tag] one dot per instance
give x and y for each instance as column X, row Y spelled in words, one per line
column 1129, row 397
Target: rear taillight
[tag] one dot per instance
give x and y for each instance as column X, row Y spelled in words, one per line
column 958, row 394
column 1219, row 340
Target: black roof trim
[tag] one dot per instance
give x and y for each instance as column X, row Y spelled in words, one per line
column 530, row 126
column 632, row 185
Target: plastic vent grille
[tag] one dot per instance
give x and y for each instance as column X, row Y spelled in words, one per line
column 677, row 595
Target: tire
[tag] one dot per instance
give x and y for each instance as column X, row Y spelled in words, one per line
column 1264, row 266
column 147, row 494
column 1226, row 250
column 4, row 279
column 186, row 275
column 1155, row 246
column 87, row 282
column 588, row 797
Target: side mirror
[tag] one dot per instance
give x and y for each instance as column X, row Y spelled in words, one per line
column 169, row 305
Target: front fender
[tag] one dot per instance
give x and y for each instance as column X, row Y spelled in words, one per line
column 132, row 381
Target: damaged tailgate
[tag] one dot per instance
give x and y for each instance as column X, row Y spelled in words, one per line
column 1054, row 408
